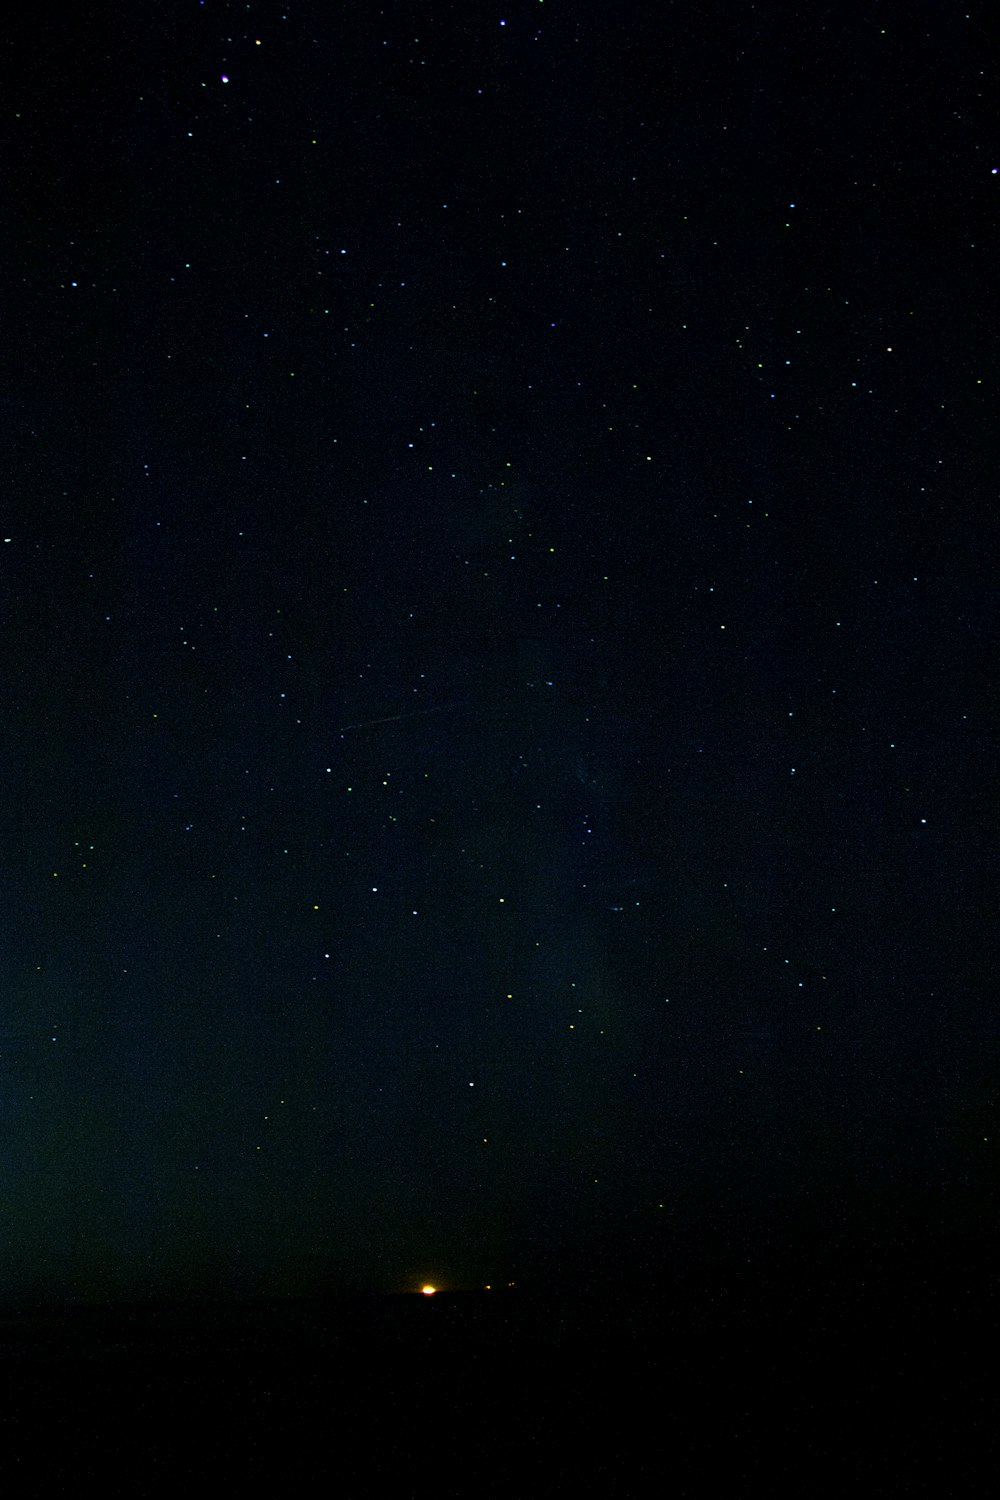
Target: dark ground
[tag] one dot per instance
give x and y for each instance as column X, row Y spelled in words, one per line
column 875, row 1381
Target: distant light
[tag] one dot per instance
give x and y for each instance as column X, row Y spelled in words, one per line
column 428, row 1291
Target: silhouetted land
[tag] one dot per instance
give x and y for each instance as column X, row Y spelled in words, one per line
column 878, row 1377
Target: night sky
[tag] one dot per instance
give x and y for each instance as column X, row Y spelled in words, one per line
column 498, row 590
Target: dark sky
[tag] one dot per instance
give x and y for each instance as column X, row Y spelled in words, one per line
column 498, row 596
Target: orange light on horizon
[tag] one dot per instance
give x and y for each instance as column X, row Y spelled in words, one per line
column 428, row 1291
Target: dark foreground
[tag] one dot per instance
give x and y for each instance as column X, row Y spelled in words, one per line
column 870, row 1388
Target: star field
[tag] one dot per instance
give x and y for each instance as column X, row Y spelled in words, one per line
column 497, row 607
